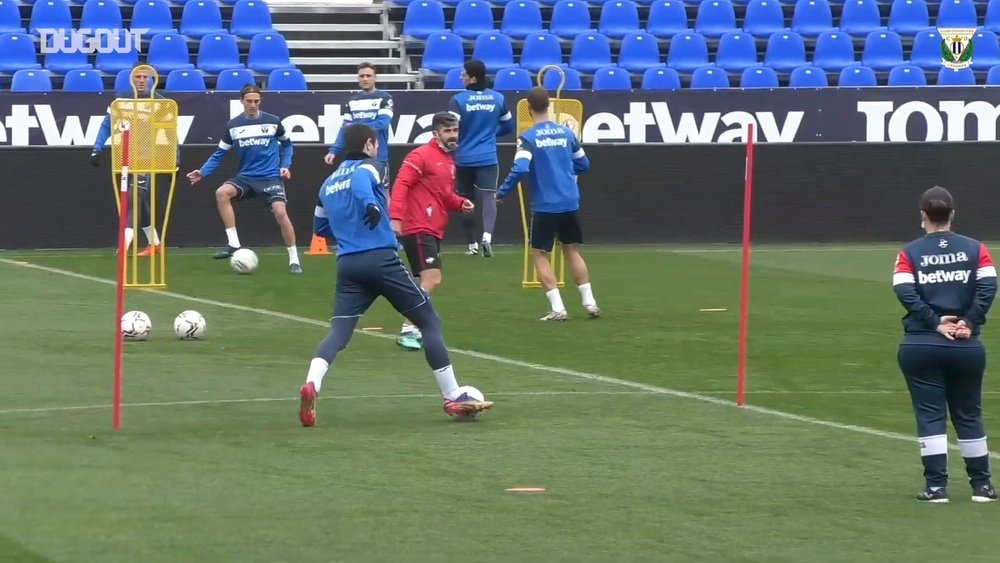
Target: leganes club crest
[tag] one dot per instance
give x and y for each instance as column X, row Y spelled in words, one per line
column 956, row 46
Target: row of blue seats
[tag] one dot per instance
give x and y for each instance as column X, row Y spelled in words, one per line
column 89, row 80
column 403, row 4
column 199, row 17
column 166, row 51
column 736, row 50
column 130, row 2
column 666, row 18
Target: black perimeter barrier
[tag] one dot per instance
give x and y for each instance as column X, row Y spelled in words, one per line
column 641, row 193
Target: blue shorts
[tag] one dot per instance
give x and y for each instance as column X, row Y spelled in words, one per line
column 364, row 277
column 271, row 190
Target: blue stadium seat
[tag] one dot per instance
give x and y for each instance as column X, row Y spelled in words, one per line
column 233, row 80
column 907, row 17
column 883, row 50
column 570, row 18
column 737, row 50
column 638, row 52
column 707, row 77
column 423, row 18
column 986, row 50
column 759, row 76
column 617, row 18
column 956, row 77
column 661, row 78
column 153, row 15
column 17, row 51
column 63, row 61
column 860, row 17
column 495, row 50
column 715, row 17
column 956, row 13
column 521, row 17
column 993, row 76
column 513, row 79
column 763, row 17
column 550, row 80
column 218, row 52
column 167, row 52
column 834, row 50
column 785, row 51
column 86, row 80
column 687, row 52
column 453, row 80
column 992, row 19
column 115, row 62
column 812, row 17
column 907, row 75
column 122, row 81
column 857, row 76
column 808, row 77
column 50, row 14
column 250, row 17
column 443, row 52
column 31, row 80
column 590, row 52
column 268, row 51
column 473, row 18
column 101, row 14
column 287, row 80
column 201, row 17
column 10, row 17
column 183, row 80
column 667, row 18
column 611, row 78
column 540, row 49
column 926, row 49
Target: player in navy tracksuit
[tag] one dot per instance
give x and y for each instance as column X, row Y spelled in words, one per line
column 551, row 156
column 947, row 283
column 265, row 158
column 371, row 107
column 483, row 116
column 352, row 209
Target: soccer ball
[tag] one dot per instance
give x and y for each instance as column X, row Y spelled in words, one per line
column 189, row 325
column 135, row 325
column 468, row 393
column 244, row 261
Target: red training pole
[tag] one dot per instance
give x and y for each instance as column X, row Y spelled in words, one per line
column 120, row 286
column 745, row 275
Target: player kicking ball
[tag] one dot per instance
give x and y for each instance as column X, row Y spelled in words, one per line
column 551, row 156
column 422, row 196
column 351, row 209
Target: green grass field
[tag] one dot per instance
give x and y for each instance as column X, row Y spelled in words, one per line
column 627, row 421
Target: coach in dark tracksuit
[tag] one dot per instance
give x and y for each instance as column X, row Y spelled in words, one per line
column 947, row 283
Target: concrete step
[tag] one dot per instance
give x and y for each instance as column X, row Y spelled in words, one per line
column 353, row 45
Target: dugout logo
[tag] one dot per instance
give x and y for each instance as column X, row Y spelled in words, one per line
column 90, row 41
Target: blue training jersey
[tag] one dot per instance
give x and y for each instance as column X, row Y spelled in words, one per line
column 550, row 156
column 262, row 144
column 340, row 211
column 482, row 117
column 943, row 274
column 373, row 109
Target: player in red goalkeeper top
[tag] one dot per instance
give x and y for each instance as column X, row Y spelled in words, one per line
column 422, row 196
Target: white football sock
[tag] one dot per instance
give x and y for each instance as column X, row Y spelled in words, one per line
column 474, row 246
column 234, row 241
column 151, row 236
column 587, row 294
column 317, row 371
column 446, row 381
column 407, row 328
column 293, row 255
column 129, row 235
column 487, row 238
column 555, row 300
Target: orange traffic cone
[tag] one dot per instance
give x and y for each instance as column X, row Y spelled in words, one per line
column 318, row 246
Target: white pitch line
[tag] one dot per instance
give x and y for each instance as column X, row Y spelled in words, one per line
column 512, row 362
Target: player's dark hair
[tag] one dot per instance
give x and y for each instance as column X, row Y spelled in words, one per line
column 538, row 100
column 356, row 136
column 937, row 204
column 476, row 69
column 443, row 119
column 249, row 89
column 363, row 66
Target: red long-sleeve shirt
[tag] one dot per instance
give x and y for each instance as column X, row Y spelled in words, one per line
column 424, row 191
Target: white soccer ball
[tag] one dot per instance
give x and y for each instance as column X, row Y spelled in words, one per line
column 244, row 261
column 468, row 393
column 135, row 325
column 189, row 325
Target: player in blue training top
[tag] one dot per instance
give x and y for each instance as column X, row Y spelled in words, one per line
column 352, row 209
column 551, row 156
column 265, row 158
column 947, row 283
column 483, row 116
column 371, row 107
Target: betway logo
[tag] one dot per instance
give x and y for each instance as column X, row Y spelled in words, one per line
column 944, row 276
column 254, row 142
column 946, row 122
column 17, row 127
column 543, row 143
column 480, row 107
